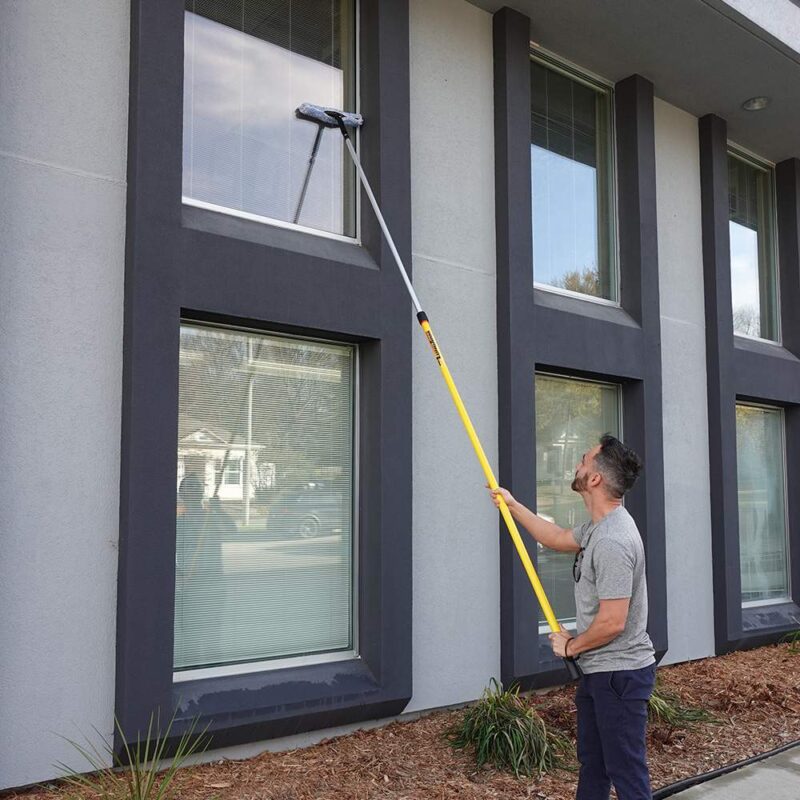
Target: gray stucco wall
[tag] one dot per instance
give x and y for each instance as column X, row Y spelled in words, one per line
column 456, row 618
column 64, row 101
column 779, row 18
column 683, row 354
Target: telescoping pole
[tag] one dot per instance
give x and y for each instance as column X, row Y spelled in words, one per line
column 572, row 666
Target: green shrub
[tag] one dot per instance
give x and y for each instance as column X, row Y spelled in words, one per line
column 793, row 639
column 507, row 733
column 666, row 708
column 136, row 773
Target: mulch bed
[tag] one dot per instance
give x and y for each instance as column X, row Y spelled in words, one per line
column 755, row 695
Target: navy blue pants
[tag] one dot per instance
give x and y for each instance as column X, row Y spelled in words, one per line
column 612, row 719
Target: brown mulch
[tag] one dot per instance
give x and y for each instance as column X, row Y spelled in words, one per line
column 755, row 695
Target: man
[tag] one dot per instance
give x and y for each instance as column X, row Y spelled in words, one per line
column 612, row 646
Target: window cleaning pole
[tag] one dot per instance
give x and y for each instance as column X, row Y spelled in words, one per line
column 572, row 666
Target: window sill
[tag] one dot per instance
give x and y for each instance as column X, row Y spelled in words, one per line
column 305, row 242
column 242, row 708
column 584, row 307
column 774, row 618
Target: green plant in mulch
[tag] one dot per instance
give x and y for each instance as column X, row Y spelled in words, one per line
column 793, row 640
column 666, row 708
column 137, row 773
column 506, row 732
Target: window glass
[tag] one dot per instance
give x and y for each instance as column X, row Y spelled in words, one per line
column 760, row 469
column 248, row 65
column 264, row 533
column 571, row 416
column 572, row 194
column 753, row 262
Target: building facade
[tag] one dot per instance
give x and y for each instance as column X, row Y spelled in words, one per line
column 599, row 205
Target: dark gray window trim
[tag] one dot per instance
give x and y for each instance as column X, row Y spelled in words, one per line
column 187, row 263
column 541, row 331
column 742, row 369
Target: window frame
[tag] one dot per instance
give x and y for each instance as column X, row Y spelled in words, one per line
column 356, row 139
column 600, row 85
column 285, row 282
column 751, row 159
column 751, row 371
column 787, row 545
column 327, row 656
column 538, row 330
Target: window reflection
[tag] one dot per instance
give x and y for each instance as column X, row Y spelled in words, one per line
column 571, row 187
column 571, row 415
column 762, row 504
column 264, row 531
column 248, row 65
column 753, row 264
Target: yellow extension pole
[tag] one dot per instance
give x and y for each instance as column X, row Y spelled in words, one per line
column 491, row 480
column 572, row 666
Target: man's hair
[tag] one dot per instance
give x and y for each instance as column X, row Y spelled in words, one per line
column 618, row 464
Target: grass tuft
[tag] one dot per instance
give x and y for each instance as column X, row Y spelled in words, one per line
column 506, row 732
column 137, row 772
column 666, row 708
column 793, row 640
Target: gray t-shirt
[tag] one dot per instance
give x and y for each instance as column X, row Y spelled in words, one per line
column 612, row 567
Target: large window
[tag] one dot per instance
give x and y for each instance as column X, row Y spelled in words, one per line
column 760, row 462
column 574, row 242
column 264, row 566
column 248, row 65
column 751, row 192
column 571, row 416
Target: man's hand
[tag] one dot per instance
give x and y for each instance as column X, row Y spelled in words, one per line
column 504, row 493
column 559, row 642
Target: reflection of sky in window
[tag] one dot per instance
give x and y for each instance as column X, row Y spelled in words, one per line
column 564, row 216
column 243, row 146
column 744, row 279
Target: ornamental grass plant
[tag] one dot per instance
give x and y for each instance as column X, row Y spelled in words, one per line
column 143, row 770
column 506, row 732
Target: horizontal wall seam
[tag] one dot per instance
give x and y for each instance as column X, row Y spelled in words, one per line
column 80, row 173
column 454, row 264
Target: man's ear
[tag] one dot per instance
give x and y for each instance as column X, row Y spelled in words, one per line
column 595, row 479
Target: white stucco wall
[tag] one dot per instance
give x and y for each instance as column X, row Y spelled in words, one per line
column 456, row 552
column 64, row 102
column 686, row 467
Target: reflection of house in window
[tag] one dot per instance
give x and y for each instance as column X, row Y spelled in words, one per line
column 202, row 451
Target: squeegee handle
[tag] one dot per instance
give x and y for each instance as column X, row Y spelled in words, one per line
column 571, row 664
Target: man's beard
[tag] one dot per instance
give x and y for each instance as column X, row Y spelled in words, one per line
column 579, row 484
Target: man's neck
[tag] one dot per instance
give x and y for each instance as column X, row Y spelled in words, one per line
column 600, row 506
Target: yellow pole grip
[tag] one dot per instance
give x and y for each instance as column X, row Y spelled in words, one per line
column 492, row 481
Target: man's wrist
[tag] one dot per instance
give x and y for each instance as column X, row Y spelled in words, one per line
column 569, row 647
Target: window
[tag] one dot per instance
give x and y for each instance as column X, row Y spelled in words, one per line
column 751, row 192
column 574, row 242
column 264, row 556
column 248, row 65
column 761, row 477
column 571, row 416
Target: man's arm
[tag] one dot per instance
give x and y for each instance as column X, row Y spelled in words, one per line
column 606, row 626
column 547, row 533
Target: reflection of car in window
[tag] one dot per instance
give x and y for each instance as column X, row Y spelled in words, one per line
column 314, row 509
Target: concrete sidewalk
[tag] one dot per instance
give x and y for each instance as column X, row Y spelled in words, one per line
column 776, row 778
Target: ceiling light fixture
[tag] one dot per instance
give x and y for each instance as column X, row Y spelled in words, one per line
column 756, row 103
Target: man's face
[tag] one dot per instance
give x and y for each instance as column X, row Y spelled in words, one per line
column 584, row 470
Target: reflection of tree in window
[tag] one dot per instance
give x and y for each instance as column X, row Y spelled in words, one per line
column 752, row 249
column 762, row 504
column 267, row 423
column 571, row 415
column 573, row 240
